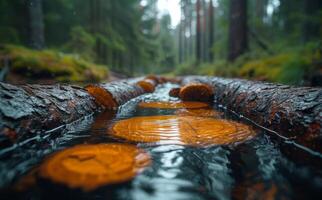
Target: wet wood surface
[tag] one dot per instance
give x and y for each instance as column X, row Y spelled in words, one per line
column 294, row 112
column 30, row 110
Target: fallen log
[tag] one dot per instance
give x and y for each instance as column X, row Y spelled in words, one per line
column 28, row 110
column 112, row 95
column 293, row 112
column 195, row 91
column 174, row 92
column 35, row 108
column 148, row 85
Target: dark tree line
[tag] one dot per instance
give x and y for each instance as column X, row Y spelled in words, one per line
column 123, row 34
column 240, row 24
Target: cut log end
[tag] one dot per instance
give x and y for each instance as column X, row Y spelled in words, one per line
column 102, row 96
column 91, row 166
column 196, row 92
column 203, row 112
column 174, row 92
column 148, row 85
column 182, row 130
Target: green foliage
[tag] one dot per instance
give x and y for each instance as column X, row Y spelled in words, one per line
column 49, row 64
column 289, row 67
column 8, row 35
column 81, row 42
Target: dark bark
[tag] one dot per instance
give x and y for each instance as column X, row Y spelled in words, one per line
column 294, row 112
column 198, row 33
column 114, row 94
column 203, row 31
column 211, row 31
column 237, row 42
column 311, row 27
column 35, row 109
column 181, row 42
column 190, row 19
column 36, row 24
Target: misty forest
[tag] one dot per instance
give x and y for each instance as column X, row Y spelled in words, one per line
column 161, row 99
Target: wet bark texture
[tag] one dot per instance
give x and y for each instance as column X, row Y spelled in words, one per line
column 28, row 110
column 294, row 112
column 114, row 94
column 34, row 109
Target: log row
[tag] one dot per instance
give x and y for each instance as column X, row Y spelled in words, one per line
column 29, row 110
column 294, row 112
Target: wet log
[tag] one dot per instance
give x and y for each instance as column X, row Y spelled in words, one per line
column 148, row 85
column 89, row 167
column 114, row 94
column 293, row 112
column 189, row 130
column 195, row 91
column 36, row 108
column 174, row 92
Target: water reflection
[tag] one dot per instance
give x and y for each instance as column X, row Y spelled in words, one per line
column 254, row 169
column 170, row 177
column 185, row 130
column 91, row 166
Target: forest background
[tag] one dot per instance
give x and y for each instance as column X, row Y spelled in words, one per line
column 47, row 41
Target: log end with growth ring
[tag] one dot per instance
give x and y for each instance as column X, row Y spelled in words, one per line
column 196, row 92
column 174, row 92
column 88, row 167
column 182, row 130
column 148, row 85
column 102, row 96
column 203, row 112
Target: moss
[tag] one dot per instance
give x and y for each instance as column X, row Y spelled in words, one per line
column 50, row 64
column 287, row 68
column 293, row 66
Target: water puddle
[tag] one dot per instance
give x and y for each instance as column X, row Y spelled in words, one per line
column 143, row 151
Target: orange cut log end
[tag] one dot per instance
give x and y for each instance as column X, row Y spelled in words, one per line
column 173, row 105
column 174, row 92
column 148, row 85
column 182, row 130
column 198, row 113
column 102, row 96
column 91, row 166
column 196, row 92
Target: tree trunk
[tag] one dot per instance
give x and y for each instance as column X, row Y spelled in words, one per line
column 36, row 24
column 34, row 109
column 311, row 28
column 181, row 42
column 294, row 112
column 38, row 108
column 198, row 33
column 204, row 45
column 114, row 94
column 238, row 42
column 191, row 37
column 211, row 30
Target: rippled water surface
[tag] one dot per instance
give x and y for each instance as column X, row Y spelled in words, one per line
column 260, row 168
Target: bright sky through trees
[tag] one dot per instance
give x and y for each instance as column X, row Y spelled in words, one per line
column 173, row 8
